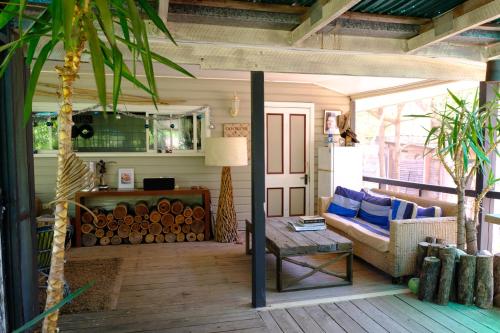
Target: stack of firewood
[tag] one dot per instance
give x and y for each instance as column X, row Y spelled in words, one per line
column 165, row 222
column 448, row 274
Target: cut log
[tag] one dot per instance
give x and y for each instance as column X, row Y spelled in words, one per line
column 163, row 205
column 110, row 217
column 135, row 227
column 116, row 240
column 145, row 225
column 188, row 211
column 176, row 229
column 454, row 279
column 101, row 221
column 86, row 228
column 186, row 228
column 155, row 216
column 145, row 217
column 144, row 232
column 99, row 232
column 197, row 227
column 179, row 219
column 200, row 237
column 123, row 231
column 441, row 241
column 120, row 210
column 149, row 238
column 465, row 279
column 128, row 219
column 484, row 281
column 429, row 278
column 191, row 237
column 104, row 241
column 496, row 278
column 188, row 220
column 198, row 213
column 141, row 208
column 138, row 219
column 166, row 229
column 430, row 239
column 155, row 228
column 170, row 237
column 160, row 238
column 89, row 239
column 135, row 237
column 421, row 254
column 433, row 250
column 447, row 256
column 177, row 207
column 181, row 237
column 87, row 218
column 113, row 225
column 167, row 219
column 109, row 234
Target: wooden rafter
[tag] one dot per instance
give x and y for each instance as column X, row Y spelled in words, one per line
column 244, row 5
column 493, row 51
column 319, row 16
column 163, row 9
column 454, row 22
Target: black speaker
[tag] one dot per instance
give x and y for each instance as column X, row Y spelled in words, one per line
column 151, row 184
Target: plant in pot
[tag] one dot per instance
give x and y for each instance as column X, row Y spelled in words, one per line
column 464, row 140
column 109, row 31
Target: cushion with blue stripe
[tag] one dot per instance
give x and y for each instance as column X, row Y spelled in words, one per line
column 345, row 202
column 375, row 210
column 403, row 210
column 433, row 211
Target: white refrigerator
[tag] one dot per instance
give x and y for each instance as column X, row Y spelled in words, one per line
column 339, row 166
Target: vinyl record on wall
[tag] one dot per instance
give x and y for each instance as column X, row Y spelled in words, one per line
column 86, row 131
column 75, row 131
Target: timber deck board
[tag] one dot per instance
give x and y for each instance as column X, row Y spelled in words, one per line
column 205, row 287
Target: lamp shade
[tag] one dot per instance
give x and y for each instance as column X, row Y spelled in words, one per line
column 226, row 151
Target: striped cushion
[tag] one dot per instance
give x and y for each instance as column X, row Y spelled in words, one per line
column 375, row 210
column 345, row 202
column 403, row 210
column 433, row 211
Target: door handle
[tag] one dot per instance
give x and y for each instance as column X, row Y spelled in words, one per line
column 306, row 179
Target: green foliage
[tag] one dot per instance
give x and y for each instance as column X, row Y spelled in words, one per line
column 107, row 27
column 466, row 136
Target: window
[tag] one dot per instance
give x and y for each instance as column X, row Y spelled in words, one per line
column 173, row 129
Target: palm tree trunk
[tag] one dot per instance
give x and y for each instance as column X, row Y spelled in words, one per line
column 55, row 289
column 461, row 217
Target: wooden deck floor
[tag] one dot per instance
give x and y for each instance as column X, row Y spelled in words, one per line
column 205, row 287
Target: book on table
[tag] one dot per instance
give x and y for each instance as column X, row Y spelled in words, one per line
column 311, row 219
column 297, row 226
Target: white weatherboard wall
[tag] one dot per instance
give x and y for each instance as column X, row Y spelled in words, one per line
column 188, row 171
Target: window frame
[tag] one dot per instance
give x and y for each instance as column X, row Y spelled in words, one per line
column 148, row 110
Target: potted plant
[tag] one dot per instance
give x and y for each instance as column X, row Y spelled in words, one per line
column 104, row 29
column 465, row 138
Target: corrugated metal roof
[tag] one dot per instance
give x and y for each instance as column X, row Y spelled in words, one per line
column 415, row 8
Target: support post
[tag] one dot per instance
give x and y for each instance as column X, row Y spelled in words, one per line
column 487, row 92
column 258, row 192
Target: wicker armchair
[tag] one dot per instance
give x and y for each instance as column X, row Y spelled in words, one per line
column 405, row 235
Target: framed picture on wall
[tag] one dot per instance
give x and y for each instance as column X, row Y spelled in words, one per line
column 126, row 178
column 330, row 122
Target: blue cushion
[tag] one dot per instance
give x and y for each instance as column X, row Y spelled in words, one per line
column 375, row 210
column 345, row 202
column 403, row 210
column 433, row 211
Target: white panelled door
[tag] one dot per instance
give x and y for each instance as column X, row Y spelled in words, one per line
column 289, row 159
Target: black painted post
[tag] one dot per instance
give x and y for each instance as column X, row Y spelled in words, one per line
column 487, row 93
column 258, row 192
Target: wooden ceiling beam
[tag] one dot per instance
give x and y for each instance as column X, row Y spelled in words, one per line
column 319, row 16
column 464, row 17
column 163, row 9
column 493, row 51
column 244, row 5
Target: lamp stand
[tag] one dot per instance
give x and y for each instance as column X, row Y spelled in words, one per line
column 226, row 227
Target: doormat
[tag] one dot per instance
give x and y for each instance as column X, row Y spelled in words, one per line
column 102, row 296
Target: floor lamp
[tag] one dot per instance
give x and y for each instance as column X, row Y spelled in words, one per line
column 226, row 152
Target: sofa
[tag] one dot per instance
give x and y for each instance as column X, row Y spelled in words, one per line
column 394, row 253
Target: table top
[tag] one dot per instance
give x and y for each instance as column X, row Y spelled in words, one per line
column 492, row 218
column 289, row 242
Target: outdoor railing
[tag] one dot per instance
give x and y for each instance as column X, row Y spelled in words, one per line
column 425, row 187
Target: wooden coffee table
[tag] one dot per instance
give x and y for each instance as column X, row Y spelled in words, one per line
column 286, row 244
